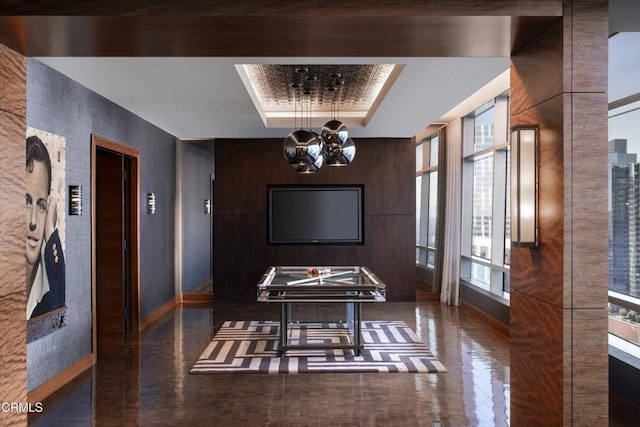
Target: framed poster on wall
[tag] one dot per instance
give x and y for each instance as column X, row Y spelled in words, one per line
column 45, row 203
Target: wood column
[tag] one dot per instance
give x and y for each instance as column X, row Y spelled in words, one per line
column 13, row 285
column 559, row 353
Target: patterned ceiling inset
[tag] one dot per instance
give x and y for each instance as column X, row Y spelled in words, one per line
column 283, row 93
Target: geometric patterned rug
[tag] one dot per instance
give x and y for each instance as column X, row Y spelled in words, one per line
column 252, row 347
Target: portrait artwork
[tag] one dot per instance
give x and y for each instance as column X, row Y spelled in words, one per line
column 45, row 223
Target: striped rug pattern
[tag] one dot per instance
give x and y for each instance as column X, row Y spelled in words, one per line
column 252, row 347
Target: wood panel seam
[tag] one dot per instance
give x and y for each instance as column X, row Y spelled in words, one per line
column 13, row 113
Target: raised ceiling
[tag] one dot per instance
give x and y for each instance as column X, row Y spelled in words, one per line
column 299, row 93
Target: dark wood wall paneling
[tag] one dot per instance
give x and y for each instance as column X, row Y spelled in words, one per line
column 589, row 219
column 244, row 168
column 558, row 291
column 13, row 287
column 537, row 284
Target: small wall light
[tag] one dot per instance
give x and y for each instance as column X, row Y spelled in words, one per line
column 75, row 200
column 524, row 185
column 151, row 203
column 207, row 206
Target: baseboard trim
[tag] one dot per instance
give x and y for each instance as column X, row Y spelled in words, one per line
column 170, row 305
column 500, row 327
column 427, row 296
column 196, row 298
column 46, row 389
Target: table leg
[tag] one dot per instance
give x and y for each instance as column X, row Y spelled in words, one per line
column 358, row 327
column 283, row 329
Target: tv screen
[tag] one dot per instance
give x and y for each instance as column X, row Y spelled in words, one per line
column 315, row 214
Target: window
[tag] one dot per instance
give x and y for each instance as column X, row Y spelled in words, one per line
column 485, row 186
column 426, row 201
column 507, row 221
column 482, row 207
column 624, row 187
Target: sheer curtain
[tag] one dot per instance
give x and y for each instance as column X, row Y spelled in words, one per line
column 450, row 285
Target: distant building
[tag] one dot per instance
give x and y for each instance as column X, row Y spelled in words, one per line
column 624, row 219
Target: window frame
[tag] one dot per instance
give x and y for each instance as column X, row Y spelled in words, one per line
column 624, row 99
column 498, row 282
column 429, row 163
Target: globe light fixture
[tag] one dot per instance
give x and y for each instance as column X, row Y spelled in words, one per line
column 334, row 132
column 339, row 149
column 303, row 151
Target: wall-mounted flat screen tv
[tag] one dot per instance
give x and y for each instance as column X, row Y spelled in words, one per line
column 315, row 214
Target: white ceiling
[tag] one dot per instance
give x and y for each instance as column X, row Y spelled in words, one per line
column 205, row 98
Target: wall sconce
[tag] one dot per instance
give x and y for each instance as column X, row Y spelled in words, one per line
column 75, row 200
column 151, row 203
column 207, row 206
column 524, row 185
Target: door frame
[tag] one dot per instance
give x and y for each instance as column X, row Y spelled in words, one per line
column 98, row 142
column 212, row 187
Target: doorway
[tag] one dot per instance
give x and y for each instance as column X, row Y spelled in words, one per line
column 115, row 210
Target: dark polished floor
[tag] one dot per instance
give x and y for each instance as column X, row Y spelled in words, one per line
column 145, row 380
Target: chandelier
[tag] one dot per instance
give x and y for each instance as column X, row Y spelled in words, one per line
column 305, row 150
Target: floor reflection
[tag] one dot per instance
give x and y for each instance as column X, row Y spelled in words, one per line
column 145, row 380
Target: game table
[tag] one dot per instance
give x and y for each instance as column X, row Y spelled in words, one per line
column 351, row 285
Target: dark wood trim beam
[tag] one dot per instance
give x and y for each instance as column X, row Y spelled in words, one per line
column 311, row 8
column 356, row 36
